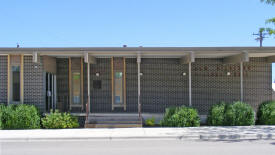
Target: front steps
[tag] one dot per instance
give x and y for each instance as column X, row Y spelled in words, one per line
column 116, row 120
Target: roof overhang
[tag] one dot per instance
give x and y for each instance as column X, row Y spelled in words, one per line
column 145, row 52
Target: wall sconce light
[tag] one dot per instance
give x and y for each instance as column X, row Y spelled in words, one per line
column 228, row 73
column 184, row 74
column 97, row 74
column 140, row 74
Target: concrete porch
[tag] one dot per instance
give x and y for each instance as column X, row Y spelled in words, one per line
column 113, row 120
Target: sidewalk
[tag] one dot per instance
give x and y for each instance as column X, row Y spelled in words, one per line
column 190, row 133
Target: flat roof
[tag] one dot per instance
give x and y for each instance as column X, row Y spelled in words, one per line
column 200, row 52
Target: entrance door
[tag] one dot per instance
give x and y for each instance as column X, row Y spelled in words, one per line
column 50, row 91
column 118, row 83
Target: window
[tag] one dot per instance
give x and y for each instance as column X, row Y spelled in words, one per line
column 15, row 83
column 76, row 87
column 118, row 88
column 76, row 82
column 15, row 74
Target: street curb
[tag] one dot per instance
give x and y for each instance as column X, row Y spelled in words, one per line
column 235, row 133
column 234, row 137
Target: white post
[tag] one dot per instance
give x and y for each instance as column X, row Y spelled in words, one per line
column 241, row 76
column 190, row 87
column 88, row 82
column 138, row 65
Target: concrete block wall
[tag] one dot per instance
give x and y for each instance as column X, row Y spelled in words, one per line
column 257, row 81
column 163, row 84
column 34, row 92
column 3, row 79
column 62, row 80
column 33, row 82
column 101, row 99
column 211, row 83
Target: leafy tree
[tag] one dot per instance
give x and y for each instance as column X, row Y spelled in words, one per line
column 271, row 20
column 269, row 1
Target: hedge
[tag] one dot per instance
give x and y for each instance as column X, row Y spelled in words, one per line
column 19, row 116
column 235, row 114
column 57, row 120
column 266, row 113
column 181, row 117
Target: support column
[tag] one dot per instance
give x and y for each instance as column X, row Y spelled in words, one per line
column 138, row 67
column 88, row 83
column 88, row 59
column 241, row 76
column 190, row 86
column 238, row 58
column 188, row 59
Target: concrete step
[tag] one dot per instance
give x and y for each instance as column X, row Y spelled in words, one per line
column 113, row 121
column 113, row 125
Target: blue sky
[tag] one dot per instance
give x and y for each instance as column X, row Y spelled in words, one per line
column 132, row 22
column 74, row 23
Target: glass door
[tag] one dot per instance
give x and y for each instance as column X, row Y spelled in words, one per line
column 50, row 91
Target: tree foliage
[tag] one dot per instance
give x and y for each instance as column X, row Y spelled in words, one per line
column 271, row 20
column 272, row 2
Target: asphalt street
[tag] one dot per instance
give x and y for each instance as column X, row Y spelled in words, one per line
column 137, row 147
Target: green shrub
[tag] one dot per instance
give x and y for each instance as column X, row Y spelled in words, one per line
column 229, row 115
column 216, row 114
column 150, row 122
column 168, row 113
column 183, row 117
column 26, row 117
column 244, row 114
column 236, row 114
column 20, row 116
column 266, row 113
column 57, row 120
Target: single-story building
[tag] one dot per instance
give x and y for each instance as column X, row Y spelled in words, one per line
column 131, row 83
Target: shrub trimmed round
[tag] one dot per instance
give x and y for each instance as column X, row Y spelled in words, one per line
column 244, row 114
column 236, row 114
column 216, row 114
column 229, row 115
column 181, row 117
column 266, row 113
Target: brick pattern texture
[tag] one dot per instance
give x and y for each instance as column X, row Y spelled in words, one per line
column 164, row 83
column 62, row 81
column 3, row 79
column 34, row 92
column 101, row 99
